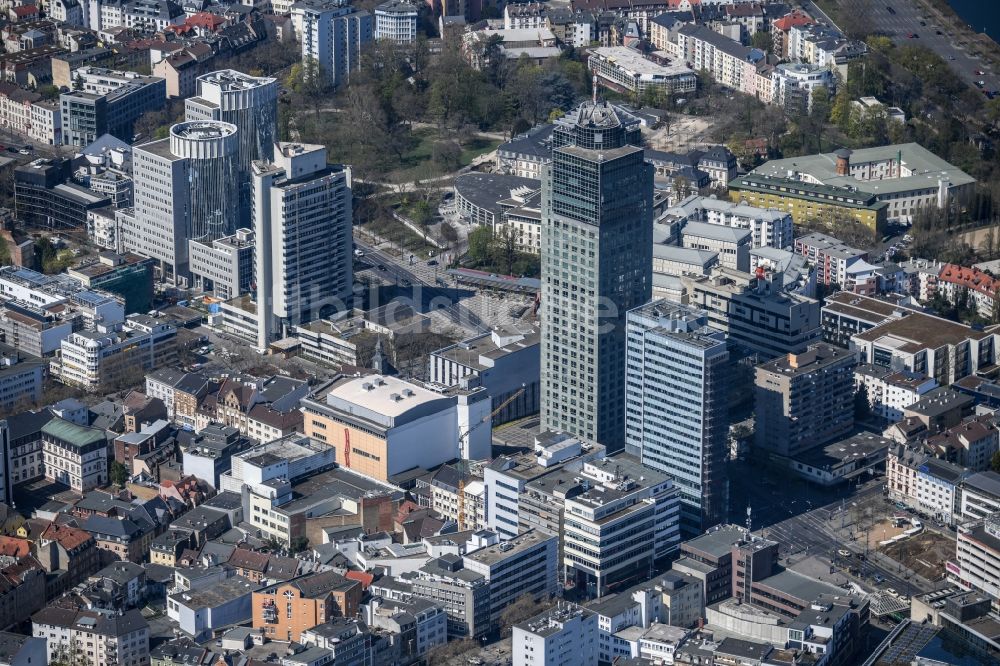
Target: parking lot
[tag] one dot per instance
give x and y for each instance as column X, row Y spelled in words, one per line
column 907, row 23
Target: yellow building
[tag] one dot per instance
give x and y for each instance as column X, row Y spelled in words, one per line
column 807, row 201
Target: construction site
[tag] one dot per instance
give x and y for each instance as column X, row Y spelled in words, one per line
column 924, row 553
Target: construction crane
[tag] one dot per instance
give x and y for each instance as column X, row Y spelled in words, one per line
column 464, row 437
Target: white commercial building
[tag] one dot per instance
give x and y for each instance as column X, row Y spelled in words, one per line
column 979, row 496
column 223, row 267
column 526, row 564
column 566, row 634
column 185, row 189
column 74, row 455
column 628, row 71
column 769, row 227
column 890, row 391
column 505, row 477
column 396, row 20
column 504, row 361
column 100, row 358
column 627, row 517
column 302, row 221
column 977, row 555
column 675, row 402
column 732, row 245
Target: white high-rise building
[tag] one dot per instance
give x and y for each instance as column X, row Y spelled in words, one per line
column 332, row 34
column 185, row 189
column 675, row 406
column 396, row 20
column 302, row 219
column 566, row 634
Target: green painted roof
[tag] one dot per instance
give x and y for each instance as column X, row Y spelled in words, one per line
column 75, row 435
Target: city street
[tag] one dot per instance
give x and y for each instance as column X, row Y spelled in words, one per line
column 434, row 296
column 907, row 18
column 813, row 522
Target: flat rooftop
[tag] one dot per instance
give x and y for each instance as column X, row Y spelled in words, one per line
column 472, row 351
column 215, row 595
column 291, row 448
column 230, row 79
column 858, row 448
column 506, row 549
column 389, row 401
column 633, row 62
column 918, row 331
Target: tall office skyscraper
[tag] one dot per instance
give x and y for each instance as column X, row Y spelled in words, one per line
column 597, row 226
column 184, row 189
column 302, row 217
column 250, row 103
column 676, row 418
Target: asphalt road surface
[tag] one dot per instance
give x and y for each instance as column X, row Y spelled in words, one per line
column 396, row 271
column 822, row 531
column 907, row 18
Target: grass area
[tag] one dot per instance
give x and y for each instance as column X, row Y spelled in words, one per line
column 394, row 231
column 418, row 160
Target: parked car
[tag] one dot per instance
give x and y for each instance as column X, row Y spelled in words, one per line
column 843, row 552
column 432, row 262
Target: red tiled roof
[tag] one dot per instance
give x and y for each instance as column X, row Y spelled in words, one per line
column 366, row 579
column 970, row 278
column 14, row 547
column 205, row 20
column 68, row 537
column 793, row 18
column 25, row 10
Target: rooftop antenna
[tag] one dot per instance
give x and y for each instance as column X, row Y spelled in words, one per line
column 749, row 521
column 594, row 93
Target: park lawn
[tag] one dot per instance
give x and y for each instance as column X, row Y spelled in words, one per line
column 396, row 232
column 417, row 163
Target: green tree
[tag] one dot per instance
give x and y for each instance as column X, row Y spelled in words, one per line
column 421, row 213
column 118, row 473
column 840, row 112
column 821, row 105
column 995, row 462
column 763, row 41
column 48, row 92
column 481, row 245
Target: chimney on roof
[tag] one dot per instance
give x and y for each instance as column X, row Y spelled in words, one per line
column 843, row 162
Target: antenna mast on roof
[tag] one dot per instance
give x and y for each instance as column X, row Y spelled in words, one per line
column 594, row 88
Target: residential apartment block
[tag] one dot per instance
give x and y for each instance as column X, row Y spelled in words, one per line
column 804, row 400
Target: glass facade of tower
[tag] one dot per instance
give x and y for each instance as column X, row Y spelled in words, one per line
column 212, row 201
column 596, row 265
